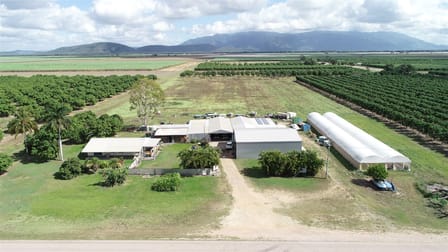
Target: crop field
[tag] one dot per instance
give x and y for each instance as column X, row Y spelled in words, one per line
column 23, row 64
column 420, row 62
column 415, row 101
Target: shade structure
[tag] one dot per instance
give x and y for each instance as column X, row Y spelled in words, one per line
column 357, row 146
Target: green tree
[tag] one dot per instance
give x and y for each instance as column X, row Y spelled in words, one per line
column 42, row 144
column 199, row 158
column 146, row 96
column 58, row 120
column 83, row 126
column 272, row 162
column 276, row 163
column 377, row 172
column 71, row 168
column 23, row 122
column 311, row 162
column 5, row 162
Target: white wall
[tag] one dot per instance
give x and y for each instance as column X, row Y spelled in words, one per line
column 252, row 150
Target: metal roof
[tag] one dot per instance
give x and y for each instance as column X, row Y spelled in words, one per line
column 177, row 131
column 198, row 127
column 115, row 144
column 219, row 125
column 241, row 122
column 266, row 135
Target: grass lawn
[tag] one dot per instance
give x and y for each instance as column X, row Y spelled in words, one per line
column 36, row 206
column 250, row 168
column 167, row 157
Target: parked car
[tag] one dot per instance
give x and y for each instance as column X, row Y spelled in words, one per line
column 229, row 145
column 323, row 140
column 383, row 185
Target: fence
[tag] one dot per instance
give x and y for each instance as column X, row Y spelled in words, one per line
column 183, row 172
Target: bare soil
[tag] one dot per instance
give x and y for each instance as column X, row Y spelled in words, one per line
column 254, row 215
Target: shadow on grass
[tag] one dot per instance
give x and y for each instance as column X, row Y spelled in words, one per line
column 254, row 172
column 24, row 158
column 100, row 184
column 342, row 160
column 364, row 183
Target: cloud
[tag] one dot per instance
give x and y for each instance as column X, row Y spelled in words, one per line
column 179, row 9
column 422, row 20
column 44, row 24
column 26, row 4
column 121, row 12
column 380, row 11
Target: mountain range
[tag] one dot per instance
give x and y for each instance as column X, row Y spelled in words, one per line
column 259, row 42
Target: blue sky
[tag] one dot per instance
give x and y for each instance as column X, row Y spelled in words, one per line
column 48, row 24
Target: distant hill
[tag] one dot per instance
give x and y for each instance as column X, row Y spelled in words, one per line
column 314, row 41
column 102, row 48
column 258, row 42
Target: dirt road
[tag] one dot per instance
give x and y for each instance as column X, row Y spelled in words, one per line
column 253, row 216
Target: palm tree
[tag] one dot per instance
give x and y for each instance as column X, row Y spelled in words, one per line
column 92, row 164
column 23, row 123
column 57, row 119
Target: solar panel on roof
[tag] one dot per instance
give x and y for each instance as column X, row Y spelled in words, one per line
column 265, row 121
column 259, row 121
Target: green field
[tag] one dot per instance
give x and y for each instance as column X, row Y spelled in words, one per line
column 83, row 64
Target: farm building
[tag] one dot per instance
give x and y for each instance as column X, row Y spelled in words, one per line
column 171, row 133
column 356, row 145
column 250, row 142
column 121, row 147
column 241, row 122
column 198, row 130
column 220, row 129
column 249, row 135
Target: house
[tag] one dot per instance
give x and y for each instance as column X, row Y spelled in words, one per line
column 121, row 147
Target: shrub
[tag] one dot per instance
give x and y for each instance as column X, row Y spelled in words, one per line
column 377, row 172
column 114, row 176
column 199, row 157
column 167, row 183
column 5, row 162
column 70, row 169
column 276, row 163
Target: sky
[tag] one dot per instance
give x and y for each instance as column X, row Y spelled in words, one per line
column 49, row 24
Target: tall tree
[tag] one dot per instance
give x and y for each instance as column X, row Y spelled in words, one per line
column 146, row 97
column 58, row 120
column 23, row 123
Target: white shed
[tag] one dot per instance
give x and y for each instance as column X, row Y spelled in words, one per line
column 249, row 143
column 121, row 147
